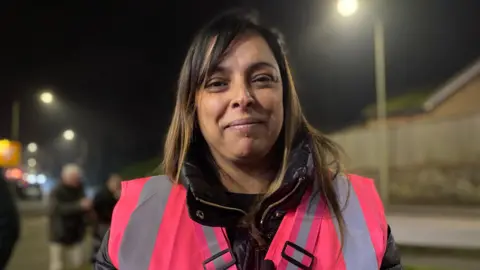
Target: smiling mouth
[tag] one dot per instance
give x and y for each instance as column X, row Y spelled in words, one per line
column 242, row 123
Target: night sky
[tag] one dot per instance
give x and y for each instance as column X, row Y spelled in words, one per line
column 113, row 67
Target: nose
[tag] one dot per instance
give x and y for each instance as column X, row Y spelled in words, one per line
column 243, row 97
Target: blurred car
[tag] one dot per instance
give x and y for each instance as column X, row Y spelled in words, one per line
column 30, row 186
column 29, row 191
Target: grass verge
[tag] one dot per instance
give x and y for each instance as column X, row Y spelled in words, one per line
column 423, row 268
column 460, row 253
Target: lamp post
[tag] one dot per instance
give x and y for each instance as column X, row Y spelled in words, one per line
column 348, row 8
column 46, row 97
column 15, row 120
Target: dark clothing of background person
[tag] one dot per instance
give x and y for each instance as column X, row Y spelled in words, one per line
column 103, row 205
column 67, row 217
column 9, row 223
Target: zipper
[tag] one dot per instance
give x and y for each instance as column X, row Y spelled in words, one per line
column 281, row 200
column 300, row 181
column 220, row 206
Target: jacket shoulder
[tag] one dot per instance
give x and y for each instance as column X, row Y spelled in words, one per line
column 137, row 189
column 133, row 192
column 365, row 188
column 358, row 179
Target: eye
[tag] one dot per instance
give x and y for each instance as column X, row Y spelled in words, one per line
column 263, row 78
column 216, row 85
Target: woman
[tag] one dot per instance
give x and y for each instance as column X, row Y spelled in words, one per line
column 249, row 183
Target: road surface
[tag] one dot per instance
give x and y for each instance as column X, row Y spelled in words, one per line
column 31, row 253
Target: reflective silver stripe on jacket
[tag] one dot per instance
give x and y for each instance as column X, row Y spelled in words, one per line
column 140, row 234
column 222, row 261
column 358, row 250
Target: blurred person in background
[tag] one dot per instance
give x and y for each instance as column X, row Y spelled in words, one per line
column 67, row 212
column 249, row 183
column 9, row 222
column 103, row 205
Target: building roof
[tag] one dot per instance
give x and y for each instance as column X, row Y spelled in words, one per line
column 452, row 86
column 425, row 100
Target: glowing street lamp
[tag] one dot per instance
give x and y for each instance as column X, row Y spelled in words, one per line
column 69, row 135
column 347, row 8
column 31, row 162
column 46, row 97
column 32, row 147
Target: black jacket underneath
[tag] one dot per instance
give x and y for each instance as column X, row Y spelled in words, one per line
column 202, row 184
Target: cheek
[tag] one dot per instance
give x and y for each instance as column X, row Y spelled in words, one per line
column 272, row 102
column 209, row 112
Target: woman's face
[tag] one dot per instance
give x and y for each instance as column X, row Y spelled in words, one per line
column 240, row 107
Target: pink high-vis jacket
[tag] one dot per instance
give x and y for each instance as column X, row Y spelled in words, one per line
column 152, row 230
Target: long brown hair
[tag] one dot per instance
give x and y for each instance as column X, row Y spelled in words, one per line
column 200, row 60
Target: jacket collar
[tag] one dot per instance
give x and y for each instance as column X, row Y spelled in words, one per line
column 207, row 199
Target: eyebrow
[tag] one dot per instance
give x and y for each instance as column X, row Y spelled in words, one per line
column 250, row 68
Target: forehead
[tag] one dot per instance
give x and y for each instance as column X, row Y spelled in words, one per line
column 245, row 51
column 71, row 171
column 114, row 178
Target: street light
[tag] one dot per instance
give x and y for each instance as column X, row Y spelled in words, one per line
column 31, row 162
column 69, row 135
column 348, row 8
column 32, row 147
column 46, row 97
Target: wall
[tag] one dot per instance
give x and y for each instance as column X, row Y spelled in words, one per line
column 464, row 101
column 431, row 161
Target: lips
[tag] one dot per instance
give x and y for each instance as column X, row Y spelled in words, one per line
column 244, row 122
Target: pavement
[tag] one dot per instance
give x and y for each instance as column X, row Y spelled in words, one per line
column 436, row 231
column 436, row 211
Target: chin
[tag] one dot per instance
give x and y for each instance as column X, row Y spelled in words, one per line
column 249, row 150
